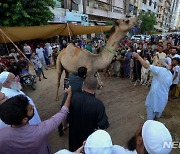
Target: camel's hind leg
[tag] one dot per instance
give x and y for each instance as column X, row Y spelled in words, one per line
column 59, row 73
column 100, row 83
column 66, row 74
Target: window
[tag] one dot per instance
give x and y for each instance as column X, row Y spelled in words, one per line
column 155, row 5
column 135, row 11
column 150, row 2
column 144, row 1
column 131, row 7
column 75, row 6
column 64, row 4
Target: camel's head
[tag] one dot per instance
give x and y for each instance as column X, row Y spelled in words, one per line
column 124, row 25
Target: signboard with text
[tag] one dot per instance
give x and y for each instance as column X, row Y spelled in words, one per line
column 77, row 17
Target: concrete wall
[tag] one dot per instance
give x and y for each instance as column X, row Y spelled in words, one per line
column 148, row 7
column 116, row 13
column 103, row 13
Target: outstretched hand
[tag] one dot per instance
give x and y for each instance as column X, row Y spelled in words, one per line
column 135, row 55
column 68, row 90
column 81, row 149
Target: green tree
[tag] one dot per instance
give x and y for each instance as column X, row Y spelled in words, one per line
column 148, row 21
column 25, row 12
column 109, row 23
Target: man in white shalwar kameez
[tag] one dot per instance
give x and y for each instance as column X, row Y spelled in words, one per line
column 157, row 97
column 10, row 89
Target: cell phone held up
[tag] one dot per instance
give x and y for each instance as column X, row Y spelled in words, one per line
column 66, row 83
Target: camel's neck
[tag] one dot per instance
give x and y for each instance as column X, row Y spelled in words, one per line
column 105, row 57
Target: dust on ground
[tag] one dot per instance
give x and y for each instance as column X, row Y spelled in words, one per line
column 124, row 104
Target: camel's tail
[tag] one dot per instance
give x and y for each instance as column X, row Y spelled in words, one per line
column 59, row 68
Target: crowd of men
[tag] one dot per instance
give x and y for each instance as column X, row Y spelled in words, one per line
column 147, row 63
column 23, row 132
column 41, row 57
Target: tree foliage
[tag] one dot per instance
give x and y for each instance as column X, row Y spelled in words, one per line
column 148, row 21
column 109, row 23
column 25, row 12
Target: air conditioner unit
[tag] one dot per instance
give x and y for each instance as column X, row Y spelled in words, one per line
column 95, row 5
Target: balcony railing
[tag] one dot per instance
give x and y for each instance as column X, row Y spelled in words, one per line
column 105, row 6
column 117, row 9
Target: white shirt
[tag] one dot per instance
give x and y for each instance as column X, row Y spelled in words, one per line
column 144, row 70
column 40, row 53
column 27, row 49
column 158, row 95
column 169, row 61
column 176, row 69
column 158, row 57
column 50, row 51
column 176, row 55
column 47, row 45
column 11, row 93
column 14, row 55
column 36, row 62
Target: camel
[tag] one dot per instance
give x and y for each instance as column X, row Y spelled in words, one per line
column 72, row 57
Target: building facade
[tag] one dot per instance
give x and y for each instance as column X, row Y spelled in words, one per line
column 178, row 22
column 161, row 9
column 90, row 12
column 174, row 13
column 87, row 12
column 101, row 11
column 69, row 11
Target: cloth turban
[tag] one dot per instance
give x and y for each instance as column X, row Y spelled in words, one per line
column 98, row 142
column 3, row 77
column 154, row 135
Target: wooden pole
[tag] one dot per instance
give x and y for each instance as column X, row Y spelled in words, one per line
column 15, row 46
column 69, row 31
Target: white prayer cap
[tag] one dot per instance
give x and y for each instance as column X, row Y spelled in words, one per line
column 154, row 135
column 3, row 77
column 98, row 142
column 64, row 151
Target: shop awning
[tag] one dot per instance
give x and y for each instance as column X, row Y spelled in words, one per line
column 42, row 32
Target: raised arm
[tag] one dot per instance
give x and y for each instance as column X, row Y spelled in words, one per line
column 142, row 61
column 51, row 124
column 68, row 99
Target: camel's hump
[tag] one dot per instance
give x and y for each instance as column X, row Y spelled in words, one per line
column 74, row 49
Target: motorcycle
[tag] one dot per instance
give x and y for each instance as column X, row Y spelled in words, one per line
column 28, row 80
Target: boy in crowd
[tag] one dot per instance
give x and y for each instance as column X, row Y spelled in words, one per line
column 23, row 64
column 144, row 73
column 37, row 66
column 176, row 74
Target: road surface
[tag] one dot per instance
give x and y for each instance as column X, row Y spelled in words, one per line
column 124, row 104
